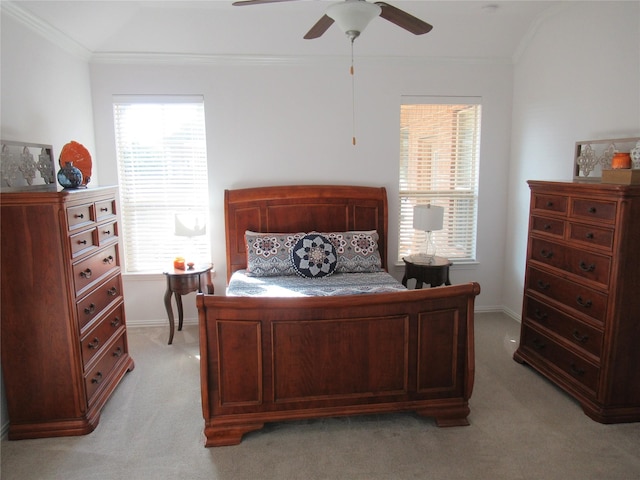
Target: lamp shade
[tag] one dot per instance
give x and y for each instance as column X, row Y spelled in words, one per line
column 428, row 217
column 189, row 224
column 353, row 16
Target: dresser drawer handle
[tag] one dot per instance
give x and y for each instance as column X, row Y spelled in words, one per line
column 86, row 273
column 587, row 268
column 580, row 301
column 590, row 235
column 538, row 344
column 580, row 338
column 112, row 292
column 97, row 378
column 90, row 309
column 578, row 372
column 79, row 215
column 104, row 209
column 108, row 259
column 118, row 352
column 82, row 242
column 543, row 285
column 547, row 226
column 549, row 204
column 540, row 316
column 107, row 232
column 593, row 209
column 94, row 344
column 546, row 254
column 115, row 322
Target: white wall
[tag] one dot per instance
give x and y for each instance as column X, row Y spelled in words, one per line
column 45, row 98
column 291, row 122
column 579, row 79
column 46, row 93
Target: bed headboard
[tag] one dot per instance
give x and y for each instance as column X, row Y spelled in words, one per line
column 302, row 208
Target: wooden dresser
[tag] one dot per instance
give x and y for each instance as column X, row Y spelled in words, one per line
column 64, row 339
column 581, row 309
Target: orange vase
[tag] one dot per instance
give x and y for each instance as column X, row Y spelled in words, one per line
column 621, row 160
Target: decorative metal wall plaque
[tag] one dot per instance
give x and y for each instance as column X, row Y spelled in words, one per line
column 593, row 156
column 19, row 167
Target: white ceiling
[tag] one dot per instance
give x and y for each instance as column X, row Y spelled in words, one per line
column 476, row 29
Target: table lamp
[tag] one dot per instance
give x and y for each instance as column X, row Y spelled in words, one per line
column 428, row 218
column 188, row 224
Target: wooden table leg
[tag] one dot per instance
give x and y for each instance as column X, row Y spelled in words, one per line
column 180, row 311
column 167, row 305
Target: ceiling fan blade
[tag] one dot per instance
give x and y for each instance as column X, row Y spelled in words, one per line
column 403, row 19
column 319, row 28
column 241, row 3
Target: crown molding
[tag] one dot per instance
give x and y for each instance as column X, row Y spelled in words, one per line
column 228, row 60
column 44, row 29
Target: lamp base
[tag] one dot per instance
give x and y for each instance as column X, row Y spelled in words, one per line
column 430, row 247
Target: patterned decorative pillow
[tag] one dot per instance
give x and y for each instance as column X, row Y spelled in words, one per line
column 314, row 256
column 269, row 254
column 357, row 251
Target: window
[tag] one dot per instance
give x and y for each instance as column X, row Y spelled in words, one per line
column 439, row 156
column 162, row 168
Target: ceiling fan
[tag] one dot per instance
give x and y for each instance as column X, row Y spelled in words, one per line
column 352, row 16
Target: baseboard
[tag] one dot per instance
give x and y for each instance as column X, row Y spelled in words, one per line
column 517, row 316
column 132, row 323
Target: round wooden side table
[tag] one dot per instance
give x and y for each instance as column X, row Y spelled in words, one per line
column 182, row 282
column 434, row 272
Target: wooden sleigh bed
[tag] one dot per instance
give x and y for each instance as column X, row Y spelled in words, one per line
column 275, row 359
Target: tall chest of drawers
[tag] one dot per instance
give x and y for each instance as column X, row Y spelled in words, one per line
column 581, row 309
column 64, row 338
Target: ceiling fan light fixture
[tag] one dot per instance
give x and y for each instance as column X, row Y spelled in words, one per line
column 353, row 16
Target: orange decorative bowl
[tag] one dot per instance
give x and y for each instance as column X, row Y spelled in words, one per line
column 621, row 160
column 80, row 157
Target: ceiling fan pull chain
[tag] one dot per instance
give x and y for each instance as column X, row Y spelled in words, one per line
column 353, row 98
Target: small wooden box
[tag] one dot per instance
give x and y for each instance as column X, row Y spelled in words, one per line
column 622, row 176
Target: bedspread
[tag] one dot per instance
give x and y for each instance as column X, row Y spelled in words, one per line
column 242, row 285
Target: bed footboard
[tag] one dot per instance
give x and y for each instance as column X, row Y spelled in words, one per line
column 274, row 359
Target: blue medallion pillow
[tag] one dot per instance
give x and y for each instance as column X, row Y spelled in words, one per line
column 314, row 256
column 269, row 254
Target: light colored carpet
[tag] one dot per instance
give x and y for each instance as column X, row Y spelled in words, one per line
column 522, row 427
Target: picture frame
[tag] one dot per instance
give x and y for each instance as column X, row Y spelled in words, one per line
column 594, row 156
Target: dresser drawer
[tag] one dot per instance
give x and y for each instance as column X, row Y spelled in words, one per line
column 580, row 334
column 105, row 209
column 80, row 216
column 548, row 226
column 92, row 269
column 94, row 303
column 100, row 334
column 592, row 235
column 550, row 203
column 579, row 262
column 99, row 373
column 107, row 231
column 582, row 299
column 83, row 242
column 598, row 211
column 572, row 366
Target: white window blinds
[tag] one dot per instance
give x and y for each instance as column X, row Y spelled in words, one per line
column 439, row 157
column 162, row 168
